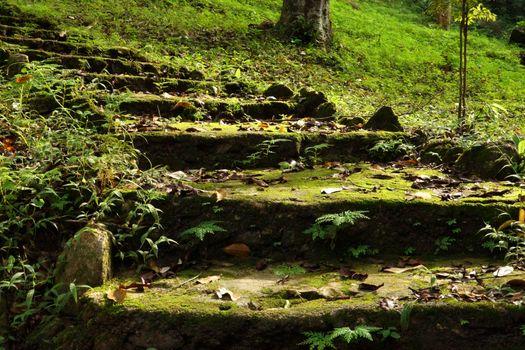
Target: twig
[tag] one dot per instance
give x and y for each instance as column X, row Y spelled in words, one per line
column 187, row 281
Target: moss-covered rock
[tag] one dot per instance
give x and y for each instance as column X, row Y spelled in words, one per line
column 489, row 161
column 87, row 257
column 384, row 119
column 279, row 91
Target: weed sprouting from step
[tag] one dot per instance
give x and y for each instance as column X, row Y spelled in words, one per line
column 325, row 340
column 263, row 150
column 327, row 226
column 391, row 149
column 202, row 230
column 508, row 238
column 312, row 154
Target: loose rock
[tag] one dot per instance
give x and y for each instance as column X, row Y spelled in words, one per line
column 86, row 259
column 384, row 119
column 15, row 63
column 279, row 91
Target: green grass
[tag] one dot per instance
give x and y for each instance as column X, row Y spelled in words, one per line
column 386, row 53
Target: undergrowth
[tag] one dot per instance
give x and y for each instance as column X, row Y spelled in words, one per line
column 384, row 53
column 58, row 174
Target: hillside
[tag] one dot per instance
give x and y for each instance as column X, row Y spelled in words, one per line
column 385, row 53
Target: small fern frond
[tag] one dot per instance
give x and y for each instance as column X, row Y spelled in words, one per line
column 347, row 217
column 203, row 229
column 318, row 341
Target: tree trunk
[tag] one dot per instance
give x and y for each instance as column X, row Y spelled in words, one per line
column 307, row 20
column 443, row 12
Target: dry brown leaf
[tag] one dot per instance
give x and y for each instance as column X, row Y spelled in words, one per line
column 370, row 287
column 21, row 80
column 117, row 295
column 220, row 194
column 208, row 280
column 237, row 249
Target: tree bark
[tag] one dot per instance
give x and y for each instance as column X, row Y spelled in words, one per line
column 307, row 20
column 443, row 12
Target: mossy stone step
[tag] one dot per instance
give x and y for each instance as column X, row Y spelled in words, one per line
column 213, row 107
column 65, row 47
column 270, row 211
column 213, row 146
column 97, row 64
column 9, row 30
column 179, row 313
column 11, row 17
column 154, row 85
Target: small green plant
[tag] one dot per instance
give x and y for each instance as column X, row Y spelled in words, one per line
column 405, row 316
column 202, row 230
column 288, row 270
column 263, row 150
column 509, row 238
column 409, row 251
column 517, row 165
column 443, row 244
column 361, row 251
column 390, row 149
column 327, row 226
column 313, row 153
column 452, row 223
column 325, row 340
column 522, row 328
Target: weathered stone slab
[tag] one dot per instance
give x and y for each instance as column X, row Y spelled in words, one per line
column 86, row 258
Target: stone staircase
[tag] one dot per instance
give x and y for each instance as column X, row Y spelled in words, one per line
column 265, row 170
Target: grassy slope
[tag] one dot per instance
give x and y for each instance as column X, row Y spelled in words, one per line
column 384, row 53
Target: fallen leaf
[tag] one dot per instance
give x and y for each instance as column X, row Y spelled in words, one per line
column 370, row 287
column 182, row 104
column 263, row 125
column 516, row 283
column 331, row 190
column 152, row 264
column 208, row 280
column 397, row 270
column 503, row 271
column 237, row 249
column 193, row 129
column 117, row 295
column 347, row 273
column 330, row 293
column 283, row 280
column 261, row 264
column 220, row 194
column 388, row 303
column 521, row 219
column 418, row 195
column 23, row 79
column 225, row 294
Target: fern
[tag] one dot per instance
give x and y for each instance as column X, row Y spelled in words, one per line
column 318, row 341
column 202, row 229
column 351, row 335
column 347, row 217
column 326, row 226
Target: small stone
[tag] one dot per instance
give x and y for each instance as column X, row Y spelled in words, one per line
column 309, row 100
column 325, row 110
column 86, row 259
column 518, row 36
column 15, row 63
column 384, row 119
column 196, row 75
column 488, row 161
column 234, row 87
column 351, row 121
column 279, row 91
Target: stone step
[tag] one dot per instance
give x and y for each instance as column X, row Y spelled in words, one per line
column 11, row 17
column 229, row 304
column 214, row 145
column 176, row 84
column 9, row 30
column 96, row 64
column 408, row 207
column 79, row 49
